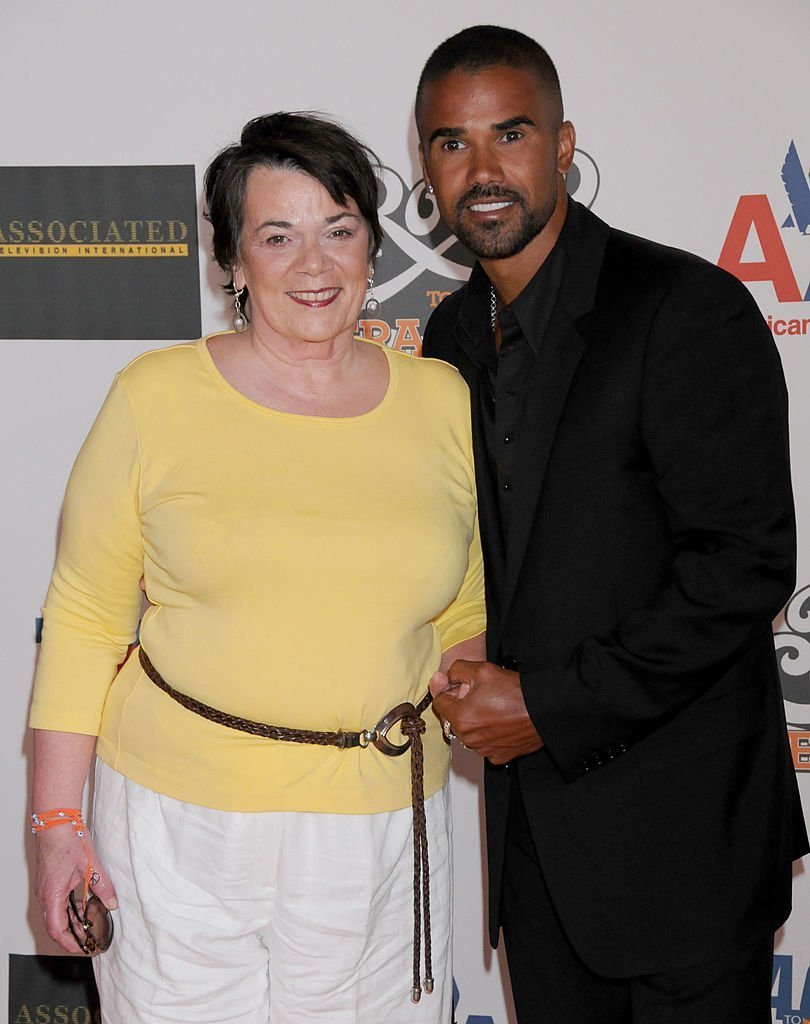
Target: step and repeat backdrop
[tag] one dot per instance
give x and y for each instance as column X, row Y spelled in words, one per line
column 692, row 129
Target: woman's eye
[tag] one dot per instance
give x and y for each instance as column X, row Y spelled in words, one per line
column 342, row 233
column 276, row 240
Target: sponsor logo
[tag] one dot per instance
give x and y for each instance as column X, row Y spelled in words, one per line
column 93, row 238
column 99, row 252
column 421, row 261
column 768, row 245
column 473, row 1018
column 792, row 642
column 51, row 990
column 783, row 1007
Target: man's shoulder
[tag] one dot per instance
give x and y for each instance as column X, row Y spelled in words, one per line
column 647, row 252
column 636, row 267
column 645, row 289
column 439, row 341
column 635, row 262
column 448, row 310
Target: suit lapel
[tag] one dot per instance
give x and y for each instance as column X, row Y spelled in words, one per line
column 488, row 512
column 560, row 351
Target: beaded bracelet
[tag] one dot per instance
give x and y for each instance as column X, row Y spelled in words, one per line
column 44, row 820
column 41, row 821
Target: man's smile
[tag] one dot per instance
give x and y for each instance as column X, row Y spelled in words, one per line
column 492, row 206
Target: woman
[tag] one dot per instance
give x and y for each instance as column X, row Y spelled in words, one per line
column 300, row 504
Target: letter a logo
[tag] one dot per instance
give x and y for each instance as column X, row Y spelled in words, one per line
column 755, row 213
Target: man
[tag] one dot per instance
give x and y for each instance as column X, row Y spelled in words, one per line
column 629, row 419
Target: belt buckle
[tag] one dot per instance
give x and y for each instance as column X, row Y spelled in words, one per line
column 381, row 741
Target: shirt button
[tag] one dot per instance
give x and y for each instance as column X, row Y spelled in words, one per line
column 507, row 439
column 507, row 486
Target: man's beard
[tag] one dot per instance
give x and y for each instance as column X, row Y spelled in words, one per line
column 496, row 240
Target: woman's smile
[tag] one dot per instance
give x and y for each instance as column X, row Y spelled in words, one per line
column 316, row 298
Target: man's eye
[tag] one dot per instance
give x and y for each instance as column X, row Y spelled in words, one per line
column 342, row 233
column 451, row 145
column 276, row 240
column 512, row 136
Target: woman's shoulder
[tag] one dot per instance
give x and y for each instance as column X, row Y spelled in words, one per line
column 164, row 374
column 160, row 362
column 430, row 373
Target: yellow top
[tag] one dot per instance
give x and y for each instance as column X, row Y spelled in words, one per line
column 302, row 571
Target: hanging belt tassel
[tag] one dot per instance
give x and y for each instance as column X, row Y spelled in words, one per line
column 413, row 727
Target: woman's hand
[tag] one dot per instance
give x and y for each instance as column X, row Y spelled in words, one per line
column 61, row 763
column 60, row 867
column 473, row 649
column 440, row 682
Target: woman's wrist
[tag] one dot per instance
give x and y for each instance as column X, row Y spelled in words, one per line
column 43, row 820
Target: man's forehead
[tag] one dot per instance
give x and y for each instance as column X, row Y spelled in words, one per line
column 490, row 95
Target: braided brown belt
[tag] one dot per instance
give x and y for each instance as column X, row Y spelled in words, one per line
column 412, row 725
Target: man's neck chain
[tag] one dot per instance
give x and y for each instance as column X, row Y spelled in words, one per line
column 493, row 308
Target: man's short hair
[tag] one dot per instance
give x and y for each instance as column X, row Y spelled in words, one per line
column 481, row 47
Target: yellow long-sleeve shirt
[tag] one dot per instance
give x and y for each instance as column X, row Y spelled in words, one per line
column 302, row 571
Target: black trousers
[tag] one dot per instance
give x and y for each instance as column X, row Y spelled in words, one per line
column 551, row 985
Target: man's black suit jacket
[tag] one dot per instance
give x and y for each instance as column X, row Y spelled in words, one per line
column 652, row 543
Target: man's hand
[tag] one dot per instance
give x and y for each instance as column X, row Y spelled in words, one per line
column 484, row 706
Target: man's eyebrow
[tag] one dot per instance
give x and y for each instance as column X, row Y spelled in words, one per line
column 514, row 122
column 445, row 133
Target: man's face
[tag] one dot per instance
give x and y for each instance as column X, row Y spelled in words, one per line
column 494, row 156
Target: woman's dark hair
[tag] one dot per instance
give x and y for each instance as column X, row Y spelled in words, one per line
column 301, row 142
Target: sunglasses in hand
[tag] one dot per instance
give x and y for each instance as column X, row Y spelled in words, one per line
column 90, row 922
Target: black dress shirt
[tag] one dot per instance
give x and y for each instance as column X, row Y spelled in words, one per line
column 523, row 324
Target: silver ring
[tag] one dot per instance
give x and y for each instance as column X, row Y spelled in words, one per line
column 447, row 729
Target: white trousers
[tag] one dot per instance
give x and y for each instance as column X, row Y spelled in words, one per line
column 280, row 917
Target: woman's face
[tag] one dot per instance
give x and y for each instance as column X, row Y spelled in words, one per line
column 303, row 257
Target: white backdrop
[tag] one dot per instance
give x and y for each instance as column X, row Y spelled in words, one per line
column 684, row 108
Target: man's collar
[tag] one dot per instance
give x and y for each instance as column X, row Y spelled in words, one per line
column 532, row 308
column 476, row 310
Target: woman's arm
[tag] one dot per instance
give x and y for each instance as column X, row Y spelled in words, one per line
column 61, row 763
column 474, row 649
column 90, row 616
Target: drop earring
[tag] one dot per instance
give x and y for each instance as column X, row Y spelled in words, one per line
column 239, row 319
column 372, row 305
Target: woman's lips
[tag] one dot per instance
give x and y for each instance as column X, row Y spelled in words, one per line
column 315, row 298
